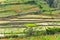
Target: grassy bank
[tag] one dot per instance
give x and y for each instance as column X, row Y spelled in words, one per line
column 43, row 37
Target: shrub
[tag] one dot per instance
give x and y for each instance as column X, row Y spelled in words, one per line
column 52, row 30
column 38, row 33
column 57, row 30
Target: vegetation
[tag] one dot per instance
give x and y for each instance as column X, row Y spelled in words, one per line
column 40, row 35
column 17, row 28
column 18, row 6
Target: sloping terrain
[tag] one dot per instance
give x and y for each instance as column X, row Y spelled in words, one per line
column 18, row 19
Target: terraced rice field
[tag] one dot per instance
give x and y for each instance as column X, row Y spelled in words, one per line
column 22, row 22
column 30, row 19
column 20, row 8
column 11, row 10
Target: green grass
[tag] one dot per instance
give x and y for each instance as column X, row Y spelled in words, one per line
column 43, row 37
column 30, row 25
